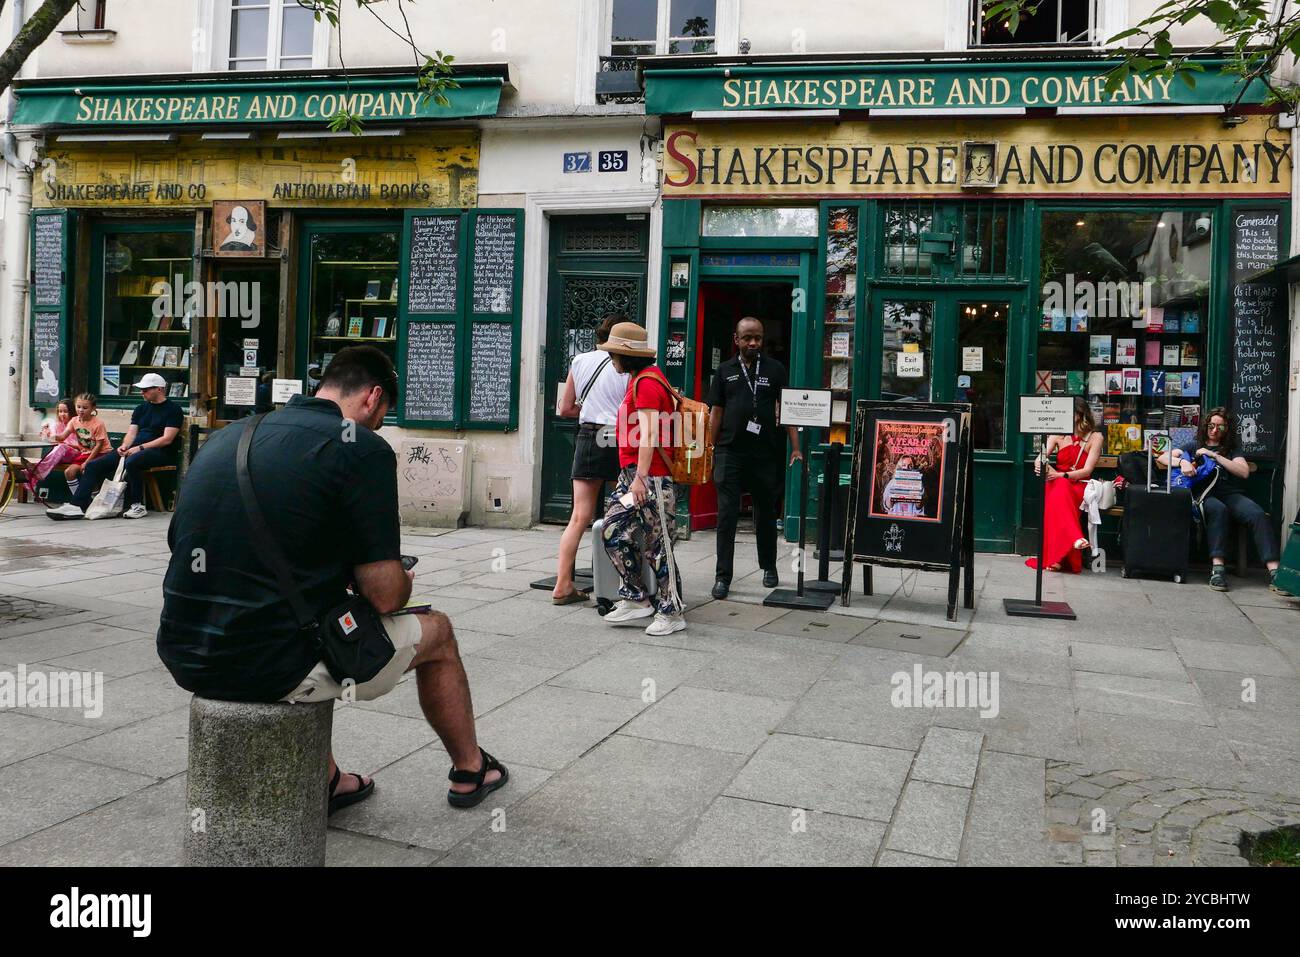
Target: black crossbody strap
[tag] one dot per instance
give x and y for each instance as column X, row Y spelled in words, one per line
column 262, row 539
column 592, row 381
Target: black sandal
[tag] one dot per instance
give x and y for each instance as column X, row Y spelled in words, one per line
column 363, row 791
column 481, row 790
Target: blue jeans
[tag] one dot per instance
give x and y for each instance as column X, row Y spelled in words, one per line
column 1222, row 511
column 103, row 468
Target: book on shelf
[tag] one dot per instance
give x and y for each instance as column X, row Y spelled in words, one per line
column 379, row 327
column 1155, row 318
column 1191, row 385
column 1097, row 381
column 1174, row 384
column 325, row 361
column 840, row 410
column 1110, row 413
column 372, row 289
column 840, row 375
column 1043, row 382
column 1045, row 324
column 177, row 390
column 132, row 352
column 153, row 323
column 1097, row 407
column 1169, row 354
column 1153, row 419
column 1075, row 381
column 1132, row 381
column 1126, row 352
column 851, row 284
column 158, row 354
column 185, row 359
column 1114, row 381
column 1059, row 321
column 110, row 379
column 1153, row 382
column 1099, row 353
column 1123, row 437
column 165, row 323
column 392, row 291
column 354, row 327
column 840, row 347
column 172, row 356
column 1191, row 354
column 1192, row 322
column 1079, row 321
column 1151, row 353
column 1060, row 383
column 1173, row 323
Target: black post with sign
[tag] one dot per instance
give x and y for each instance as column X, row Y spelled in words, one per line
column 807, row 409
column 826, row 519
column 1043, row 415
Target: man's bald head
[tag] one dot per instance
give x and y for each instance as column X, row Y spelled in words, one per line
column 749, row 338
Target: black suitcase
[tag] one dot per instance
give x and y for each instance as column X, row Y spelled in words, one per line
column 1156, row 530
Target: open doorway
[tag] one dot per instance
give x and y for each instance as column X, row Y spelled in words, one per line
column 722, row 304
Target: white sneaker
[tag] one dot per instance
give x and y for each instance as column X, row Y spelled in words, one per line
column 666, row 625
column 626, row 610
column 135, row 511
column 64, row 512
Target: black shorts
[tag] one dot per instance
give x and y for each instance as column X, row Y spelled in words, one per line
column 590, row 459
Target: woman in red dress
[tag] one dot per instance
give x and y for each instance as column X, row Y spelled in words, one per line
column 1076, row 457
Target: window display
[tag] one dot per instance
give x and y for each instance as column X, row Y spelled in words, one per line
column 1125, row 303
column 841, row 313
column 354, row 295
column 146, row 317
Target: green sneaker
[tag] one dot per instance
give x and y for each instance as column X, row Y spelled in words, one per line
column 1273, row 586
column 1218, row 579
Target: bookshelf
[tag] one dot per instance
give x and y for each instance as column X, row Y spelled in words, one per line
column 839, row 321
column 140, row 332
column 354, row 299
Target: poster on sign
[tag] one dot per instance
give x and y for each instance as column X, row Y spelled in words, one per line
column 911, row 497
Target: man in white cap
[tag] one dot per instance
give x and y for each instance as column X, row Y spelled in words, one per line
column 149, row 442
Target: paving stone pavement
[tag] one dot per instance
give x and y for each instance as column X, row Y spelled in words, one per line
column 755, row 736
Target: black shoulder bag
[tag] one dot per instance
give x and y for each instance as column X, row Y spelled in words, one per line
column 351, row 638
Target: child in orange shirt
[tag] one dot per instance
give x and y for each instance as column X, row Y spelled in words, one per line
column 80, row 438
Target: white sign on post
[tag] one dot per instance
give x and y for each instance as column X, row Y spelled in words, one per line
column 1046, row 415
column 806, row 407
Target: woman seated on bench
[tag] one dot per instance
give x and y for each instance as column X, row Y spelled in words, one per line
column 1076, row 457
column 1227, row 500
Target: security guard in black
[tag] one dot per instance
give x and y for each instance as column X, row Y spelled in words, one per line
column 749, row 450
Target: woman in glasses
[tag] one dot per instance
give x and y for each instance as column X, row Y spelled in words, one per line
column 1227, row 501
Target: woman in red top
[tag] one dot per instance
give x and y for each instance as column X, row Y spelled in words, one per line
column 641, row 518
column 1076, row 457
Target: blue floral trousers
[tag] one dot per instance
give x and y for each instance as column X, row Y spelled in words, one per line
column 637, row 533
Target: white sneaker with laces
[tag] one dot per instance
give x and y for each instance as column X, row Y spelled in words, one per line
column 626, row 610
column 65, row 511
column 666, row 625
column 135, row 511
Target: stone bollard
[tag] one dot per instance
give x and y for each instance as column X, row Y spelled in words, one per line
column 256, row 790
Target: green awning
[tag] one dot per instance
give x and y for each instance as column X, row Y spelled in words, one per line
column 941, row 85
column 237, row 100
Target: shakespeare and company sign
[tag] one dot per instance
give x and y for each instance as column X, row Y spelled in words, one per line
column 1157, row 155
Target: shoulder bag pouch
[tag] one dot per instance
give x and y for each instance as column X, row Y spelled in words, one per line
column 351, row 636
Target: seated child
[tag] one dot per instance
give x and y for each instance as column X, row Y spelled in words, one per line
column 80, row 438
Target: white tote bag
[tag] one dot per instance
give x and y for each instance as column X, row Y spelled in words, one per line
column 112, row 496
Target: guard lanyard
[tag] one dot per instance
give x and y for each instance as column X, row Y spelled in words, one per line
column 752, row 383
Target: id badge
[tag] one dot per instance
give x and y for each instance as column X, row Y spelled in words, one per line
column 755, row 427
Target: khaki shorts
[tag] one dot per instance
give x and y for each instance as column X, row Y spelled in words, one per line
column 319, row 685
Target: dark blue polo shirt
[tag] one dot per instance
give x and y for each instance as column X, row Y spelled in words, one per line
column 330, row 503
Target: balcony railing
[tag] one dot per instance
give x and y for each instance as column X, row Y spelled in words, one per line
column 616, row 82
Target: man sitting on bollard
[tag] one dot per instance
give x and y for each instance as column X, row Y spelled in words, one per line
column 326, row 487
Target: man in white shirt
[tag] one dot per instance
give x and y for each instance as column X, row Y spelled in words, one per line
column 592, row 394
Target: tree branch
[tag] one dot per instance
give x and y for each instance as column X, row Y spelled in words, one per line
column 33, row 33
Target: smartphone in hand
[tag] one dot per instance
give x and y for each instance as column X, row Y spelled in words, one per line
column 408, row 562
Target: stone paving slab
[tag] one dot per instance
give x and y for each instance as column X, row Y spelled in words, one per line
column 930, row 820
column 737, row 723
column 736, row 833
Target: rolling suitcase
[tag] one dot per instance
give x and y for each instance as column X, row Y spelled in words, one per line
column 1156, row 530
column 604, row 578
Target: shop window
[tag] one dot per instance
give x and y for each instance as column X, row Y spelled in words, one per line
column 354, row 290
column 982, row 333
column 931, row 240
column 1049, row 22
column 840, row 320
column 144, row 316
column 754, row 221
column 906, row 356
column 1125, row 307
column 90, row 14
column 270, row 34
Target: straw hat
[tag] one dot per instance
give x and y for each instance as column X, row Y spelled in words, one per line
column 628, row 339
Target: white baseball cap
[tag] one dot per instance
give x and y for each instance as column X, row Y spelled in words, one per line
column 151, row 380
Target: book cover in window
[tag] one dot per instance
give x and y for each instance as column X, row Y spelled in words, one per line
column 907, row 476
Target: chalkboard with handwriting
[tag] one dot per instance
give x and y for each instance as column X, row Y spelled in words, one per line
column 491, row 372
column 430, row 381
column 47, row 261
column 432, row 286
column 1257, row 344
column 494, row 263
column 47, row 350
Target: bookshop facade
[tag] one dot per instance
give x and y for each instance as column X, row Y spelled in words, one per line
column 235, row 250
column 980, row 253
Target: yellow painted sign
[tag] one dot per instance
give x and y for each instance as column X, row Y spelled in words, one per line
column 427, row 169
column 1120, row 155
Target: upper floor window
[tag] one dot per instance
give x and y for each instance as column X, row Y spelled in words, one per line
column 90, row 14
column 1053, row 21
column 270, row 35
column 647, row 27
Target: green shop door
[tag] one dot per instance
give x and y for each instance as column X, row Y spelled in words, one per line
column 597, row 267
column 957, row 346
